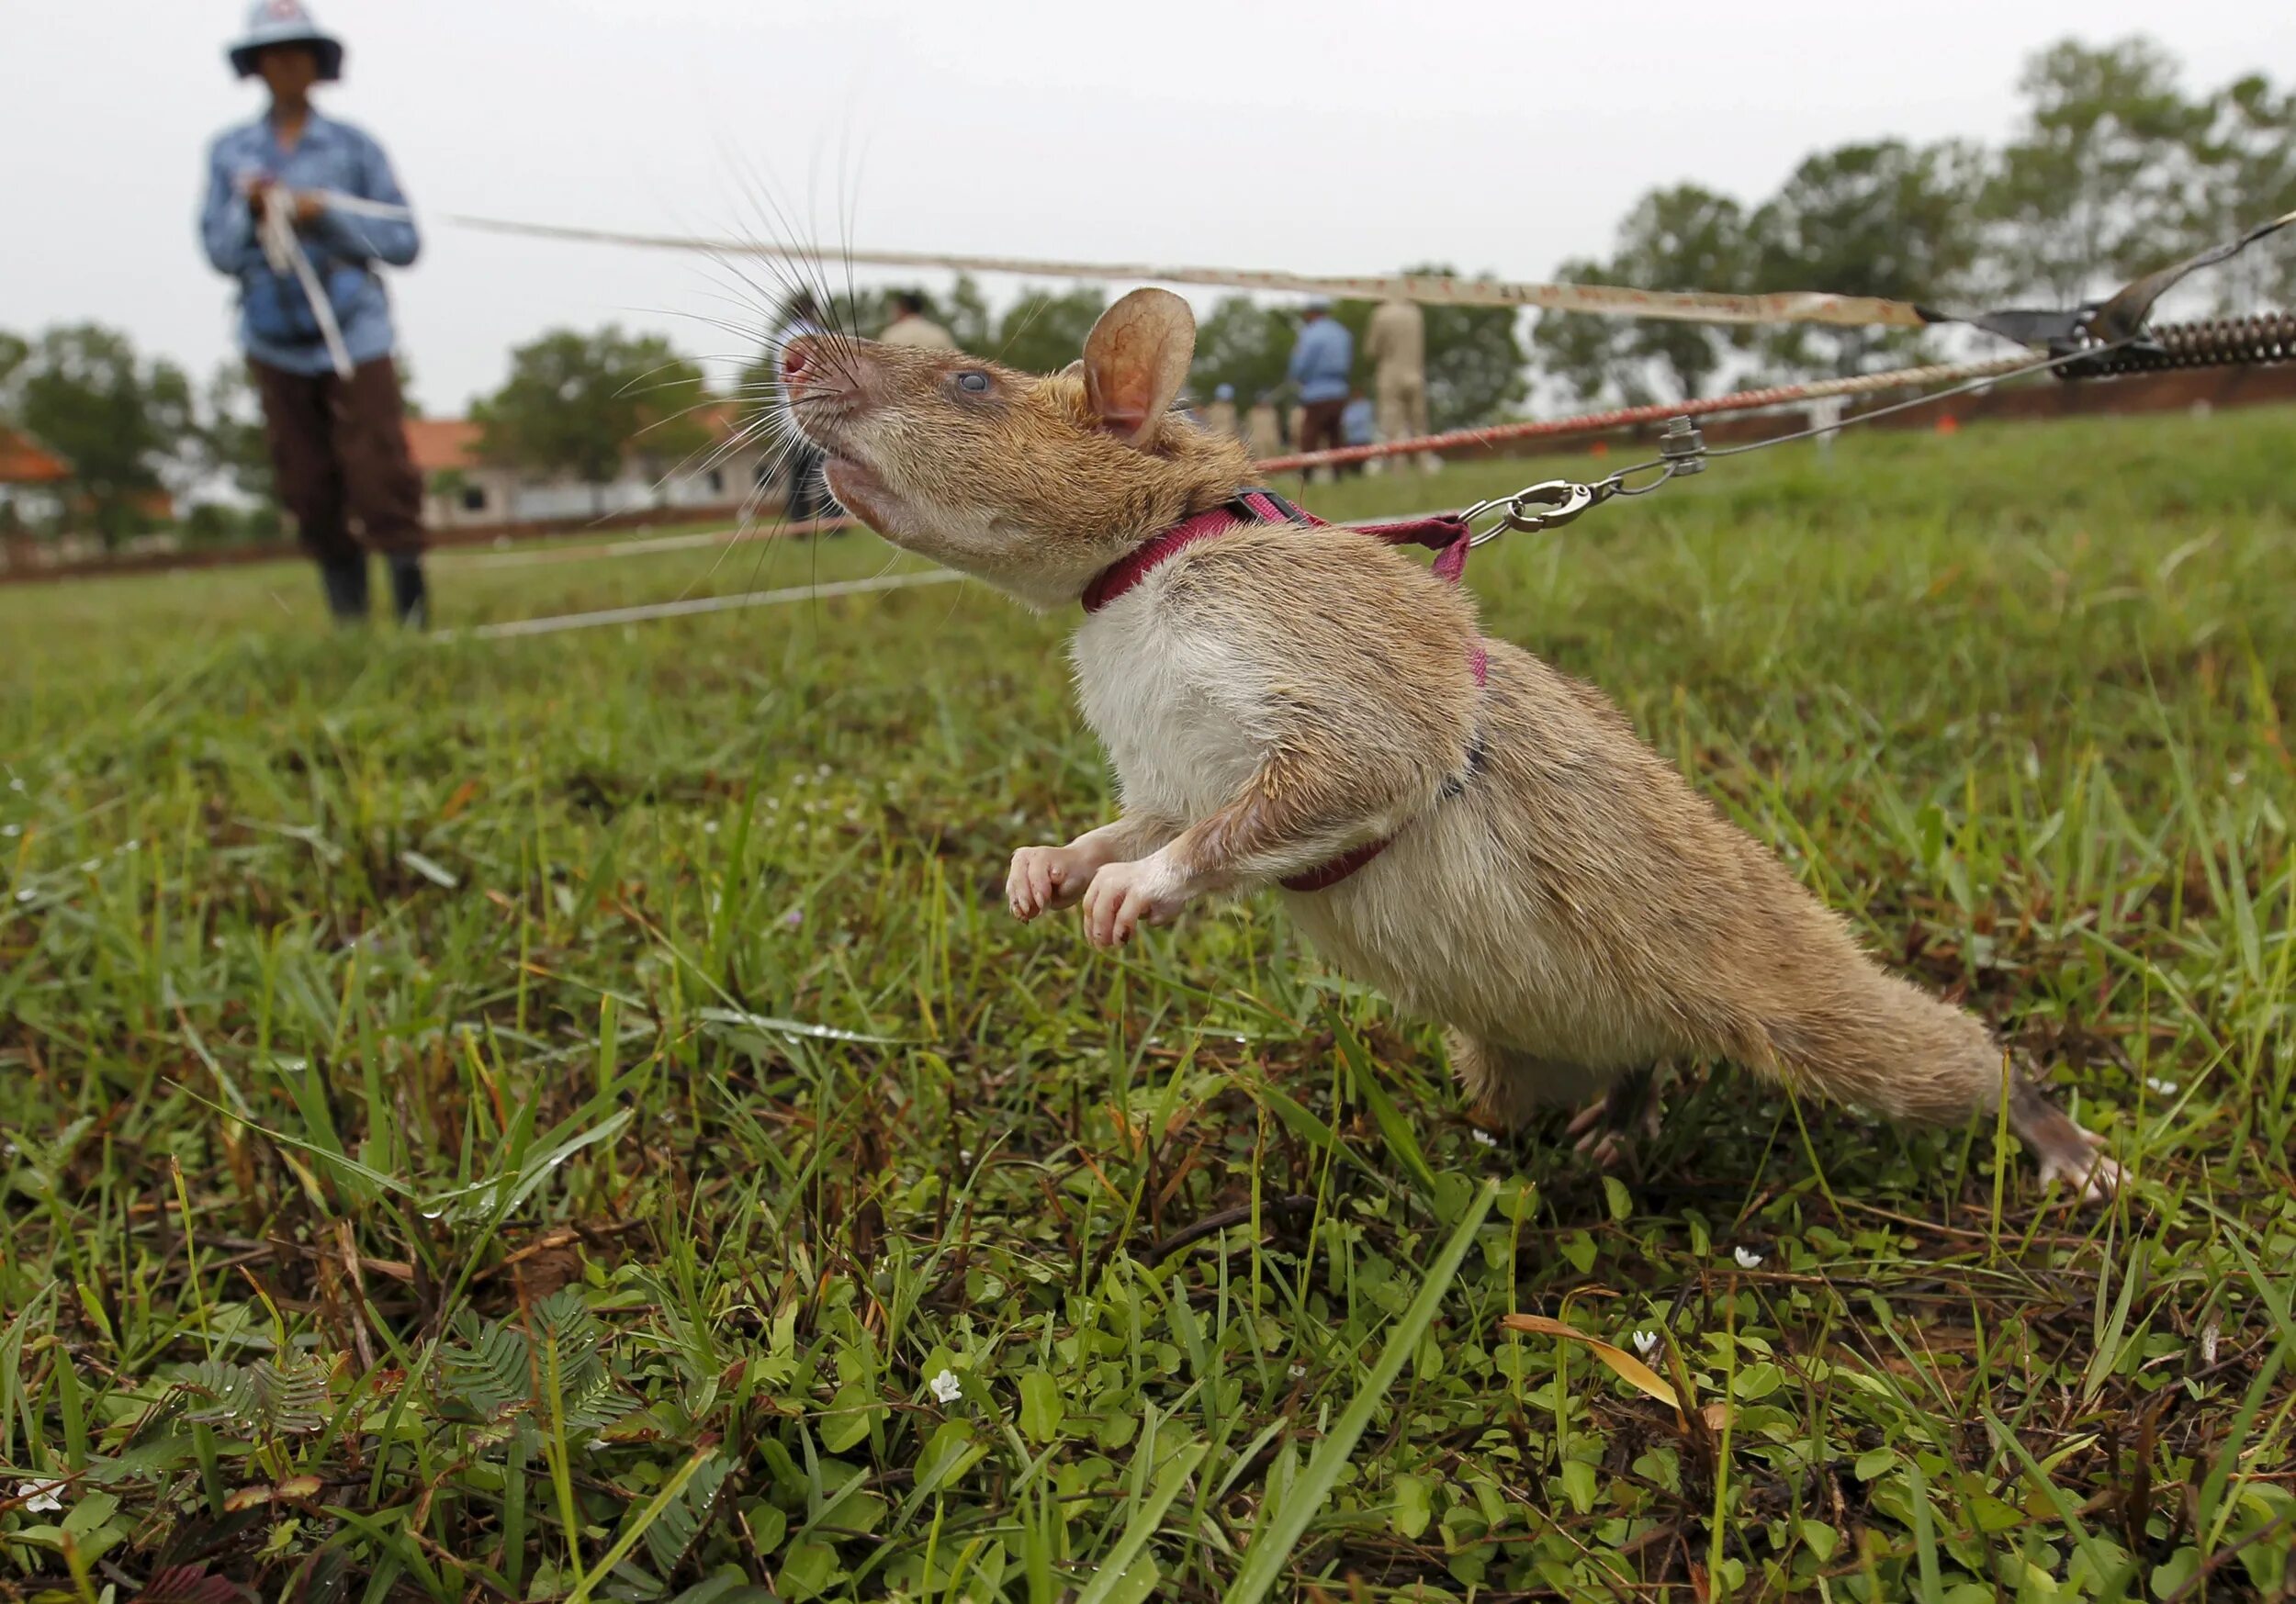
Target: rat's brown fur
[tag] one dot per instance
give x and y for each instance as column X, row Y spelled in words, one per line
column 1569, row 906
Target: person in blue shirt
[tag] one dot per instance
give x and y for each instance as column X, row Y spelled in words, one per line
column 1320, row 364
column 332, row 414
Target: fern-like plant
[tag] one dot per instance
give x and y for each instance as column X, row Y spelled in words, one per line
column 284, row 1398
column 498, row 1370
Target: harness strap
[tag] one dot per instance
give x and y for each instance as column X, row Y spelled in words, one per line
column 1445, row 534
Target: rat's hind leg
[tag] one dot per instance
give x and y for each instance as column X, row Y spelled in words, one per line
column 1505, row 1086
column 1608, row 1129
column 2067, row 1153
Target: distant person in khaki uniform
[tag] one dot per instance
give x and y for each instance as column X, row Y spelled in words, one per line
column 1396, row 342
column 1219, row 417
column 1262, row 430
column 910, row 325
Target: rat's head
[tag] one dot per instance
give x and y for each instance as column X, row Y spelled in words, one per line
column 1034, row 483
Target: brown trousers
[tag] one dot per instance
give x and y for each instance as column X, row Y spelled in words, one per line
column 1319, row 425
column 339, row 451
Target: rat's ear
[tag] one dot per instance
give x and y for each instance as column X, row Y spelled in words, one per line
column 1136, row 360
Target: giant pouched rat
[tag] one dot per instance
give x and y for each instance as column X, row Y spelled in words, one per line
column 1552, row 891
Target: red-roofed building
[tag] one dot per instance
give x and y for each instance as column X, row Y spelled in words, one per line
column 458, row 488
column 24, row 461
column 443, row 444
column 461, row 488
column 31, row 480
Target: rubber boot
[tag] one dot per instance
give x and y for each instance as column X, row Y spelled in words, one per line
column 345, row 578
column 409, row 594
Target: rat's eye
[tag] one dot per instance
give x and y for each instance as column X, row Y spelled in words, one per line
column 974, row 380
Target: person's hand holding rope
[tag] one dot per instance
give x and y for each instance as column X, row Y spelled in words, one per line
column 306, row 206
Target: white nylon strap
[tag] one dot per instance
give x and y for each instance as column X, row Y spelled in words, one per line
column 283, row 249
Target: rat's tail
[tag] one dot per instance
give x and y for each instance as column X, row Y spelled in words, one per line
column 1878, row 1042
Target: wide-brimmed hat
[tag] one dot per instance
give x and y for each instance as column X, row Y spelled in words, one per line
column 285, row 22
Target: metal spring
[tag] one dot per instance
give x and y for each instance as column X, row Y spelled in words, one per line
column 2212, row 343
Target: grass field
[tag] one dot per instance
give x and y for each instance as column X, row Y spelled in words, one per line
column 572, row 1119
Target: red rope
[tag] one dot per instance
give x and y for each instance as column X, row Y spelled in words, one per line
column 1656, row 412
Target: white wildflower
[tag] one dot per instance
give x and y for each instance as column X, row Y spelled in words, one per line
column 947, row 1388
column 1299, row 1372
column 25, row 895
column 1484, row 1136
column 1747, row 1258
column 11, row 829
column 39, row 1498
column 709, row 826
column 1646, row 1344
column 16, row 785
column 2166, row 1088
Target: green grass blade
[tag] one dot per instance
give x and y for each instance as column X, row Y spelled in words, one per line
column 1271, row 1547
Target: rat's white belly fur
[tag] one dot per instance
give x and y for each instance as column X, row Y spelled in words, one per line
column 1440, row 922
column 1167, row 709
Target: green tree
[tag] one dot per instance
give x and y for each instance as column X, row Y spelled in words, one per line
column 859, row 312
column 229, row 439
column 121, row 422
column 579, row 404
column 1593, row 357
column 408, row 405
column 1685, row 237
column 1885, row 219
column 1243, row 343
column 1682, row 237
column 969, row 323
column 2251, row 149
column 1044, row 330
column 2105, row 180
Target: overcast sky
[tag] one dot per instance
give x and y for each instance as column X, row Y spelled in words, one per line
column 1501, row 136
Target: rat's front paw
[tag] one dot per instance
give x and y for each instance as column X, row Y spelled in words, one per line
column 1124, row 896
column 1045, row 877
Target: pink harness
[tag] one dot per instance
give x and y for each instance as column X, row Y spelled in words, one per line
column 1444, row 535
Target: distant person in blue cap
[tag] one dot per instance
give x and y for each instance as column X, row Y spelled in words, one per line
column 1321, row 363
column 299, row 209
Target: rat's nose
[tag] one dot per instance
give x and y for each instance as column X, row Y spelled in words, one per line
column 800, row 365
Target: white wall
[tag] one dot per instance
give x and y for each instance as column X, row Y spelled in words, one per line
column 510, row 498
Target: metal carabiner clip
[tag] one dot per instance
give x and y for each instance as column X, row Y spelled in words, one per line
column 1544, row 506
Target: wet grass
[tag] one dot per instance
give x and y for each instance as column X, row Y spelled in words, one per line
column 571, row 1117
